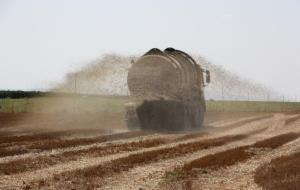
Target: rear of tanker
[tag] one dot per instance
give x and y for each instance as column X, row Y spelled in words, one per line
column 166, row 92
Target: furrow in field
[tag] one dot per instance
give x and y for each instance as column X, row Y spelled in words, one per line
column 292, row 120
column 83, row 162
column 36, row 154
column 242, row 175
column 18, row 179
column 282, row 173
column 243, row 122
column 117, row 157
column 89, row 177
column 148, row 176
column 182, row 176
column 66, row 143
column 10, row 152
column 22, row 139
column 30, row 164
column 50, row 144
column 217, row 117
column 48, row 141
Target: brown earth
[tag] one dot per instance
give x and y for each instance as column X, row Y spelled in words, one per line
column 281, row 173
column 233, row 151
column 232, row 156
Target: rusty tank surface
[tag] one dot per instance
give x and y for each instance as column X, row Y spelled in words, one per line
column 167, row 89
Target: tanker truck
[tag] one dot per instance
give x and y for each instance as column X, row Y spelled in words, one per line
column 166, row 92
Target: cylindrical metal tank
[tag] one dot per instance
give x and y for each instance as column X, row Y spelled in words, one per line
column 171, row 74
column 170, row 85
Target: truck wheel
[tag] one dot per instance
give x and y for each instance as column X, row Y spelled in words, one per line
column 133, row 124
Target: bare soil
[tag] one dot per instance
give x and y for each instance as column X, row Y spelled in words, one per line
column 233, row 151
column 281, row 173
column 232, row 156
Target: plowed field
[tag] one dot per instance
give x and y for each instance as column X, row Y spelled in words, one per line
column 232, row 151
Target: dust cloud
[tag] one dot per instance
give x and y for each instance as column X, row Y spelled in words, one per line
column 108, row 76
column 93, row 98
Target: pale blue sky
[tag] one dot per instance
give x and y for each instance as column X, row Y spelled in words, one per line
column 41, row 40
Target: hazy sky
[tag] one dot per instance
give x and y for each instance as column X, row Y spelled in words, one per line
column 41, row 40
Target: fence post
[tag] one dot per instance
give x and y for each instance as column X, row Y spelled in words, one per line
column 13, row 107
column 223, row 104
column 283, row 104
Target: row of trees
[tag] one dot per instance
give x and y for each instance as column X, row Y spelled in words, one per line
column 15, row 94
column 21, row 94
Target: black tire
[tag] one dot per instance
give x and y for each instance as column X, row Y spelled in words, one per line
column 198, row 116
column 133, row 123
column 193, row 115
column 160, row 115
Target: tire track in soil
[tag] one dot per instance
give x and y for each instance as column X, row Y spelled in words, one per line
column 182, row 177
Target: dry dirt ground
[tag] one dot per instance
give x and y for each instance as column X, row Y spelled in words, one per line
column 232, row 151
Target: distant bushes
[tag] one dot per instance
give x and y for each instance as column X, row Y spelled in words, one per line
column 21, row 94
column 18, row 94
